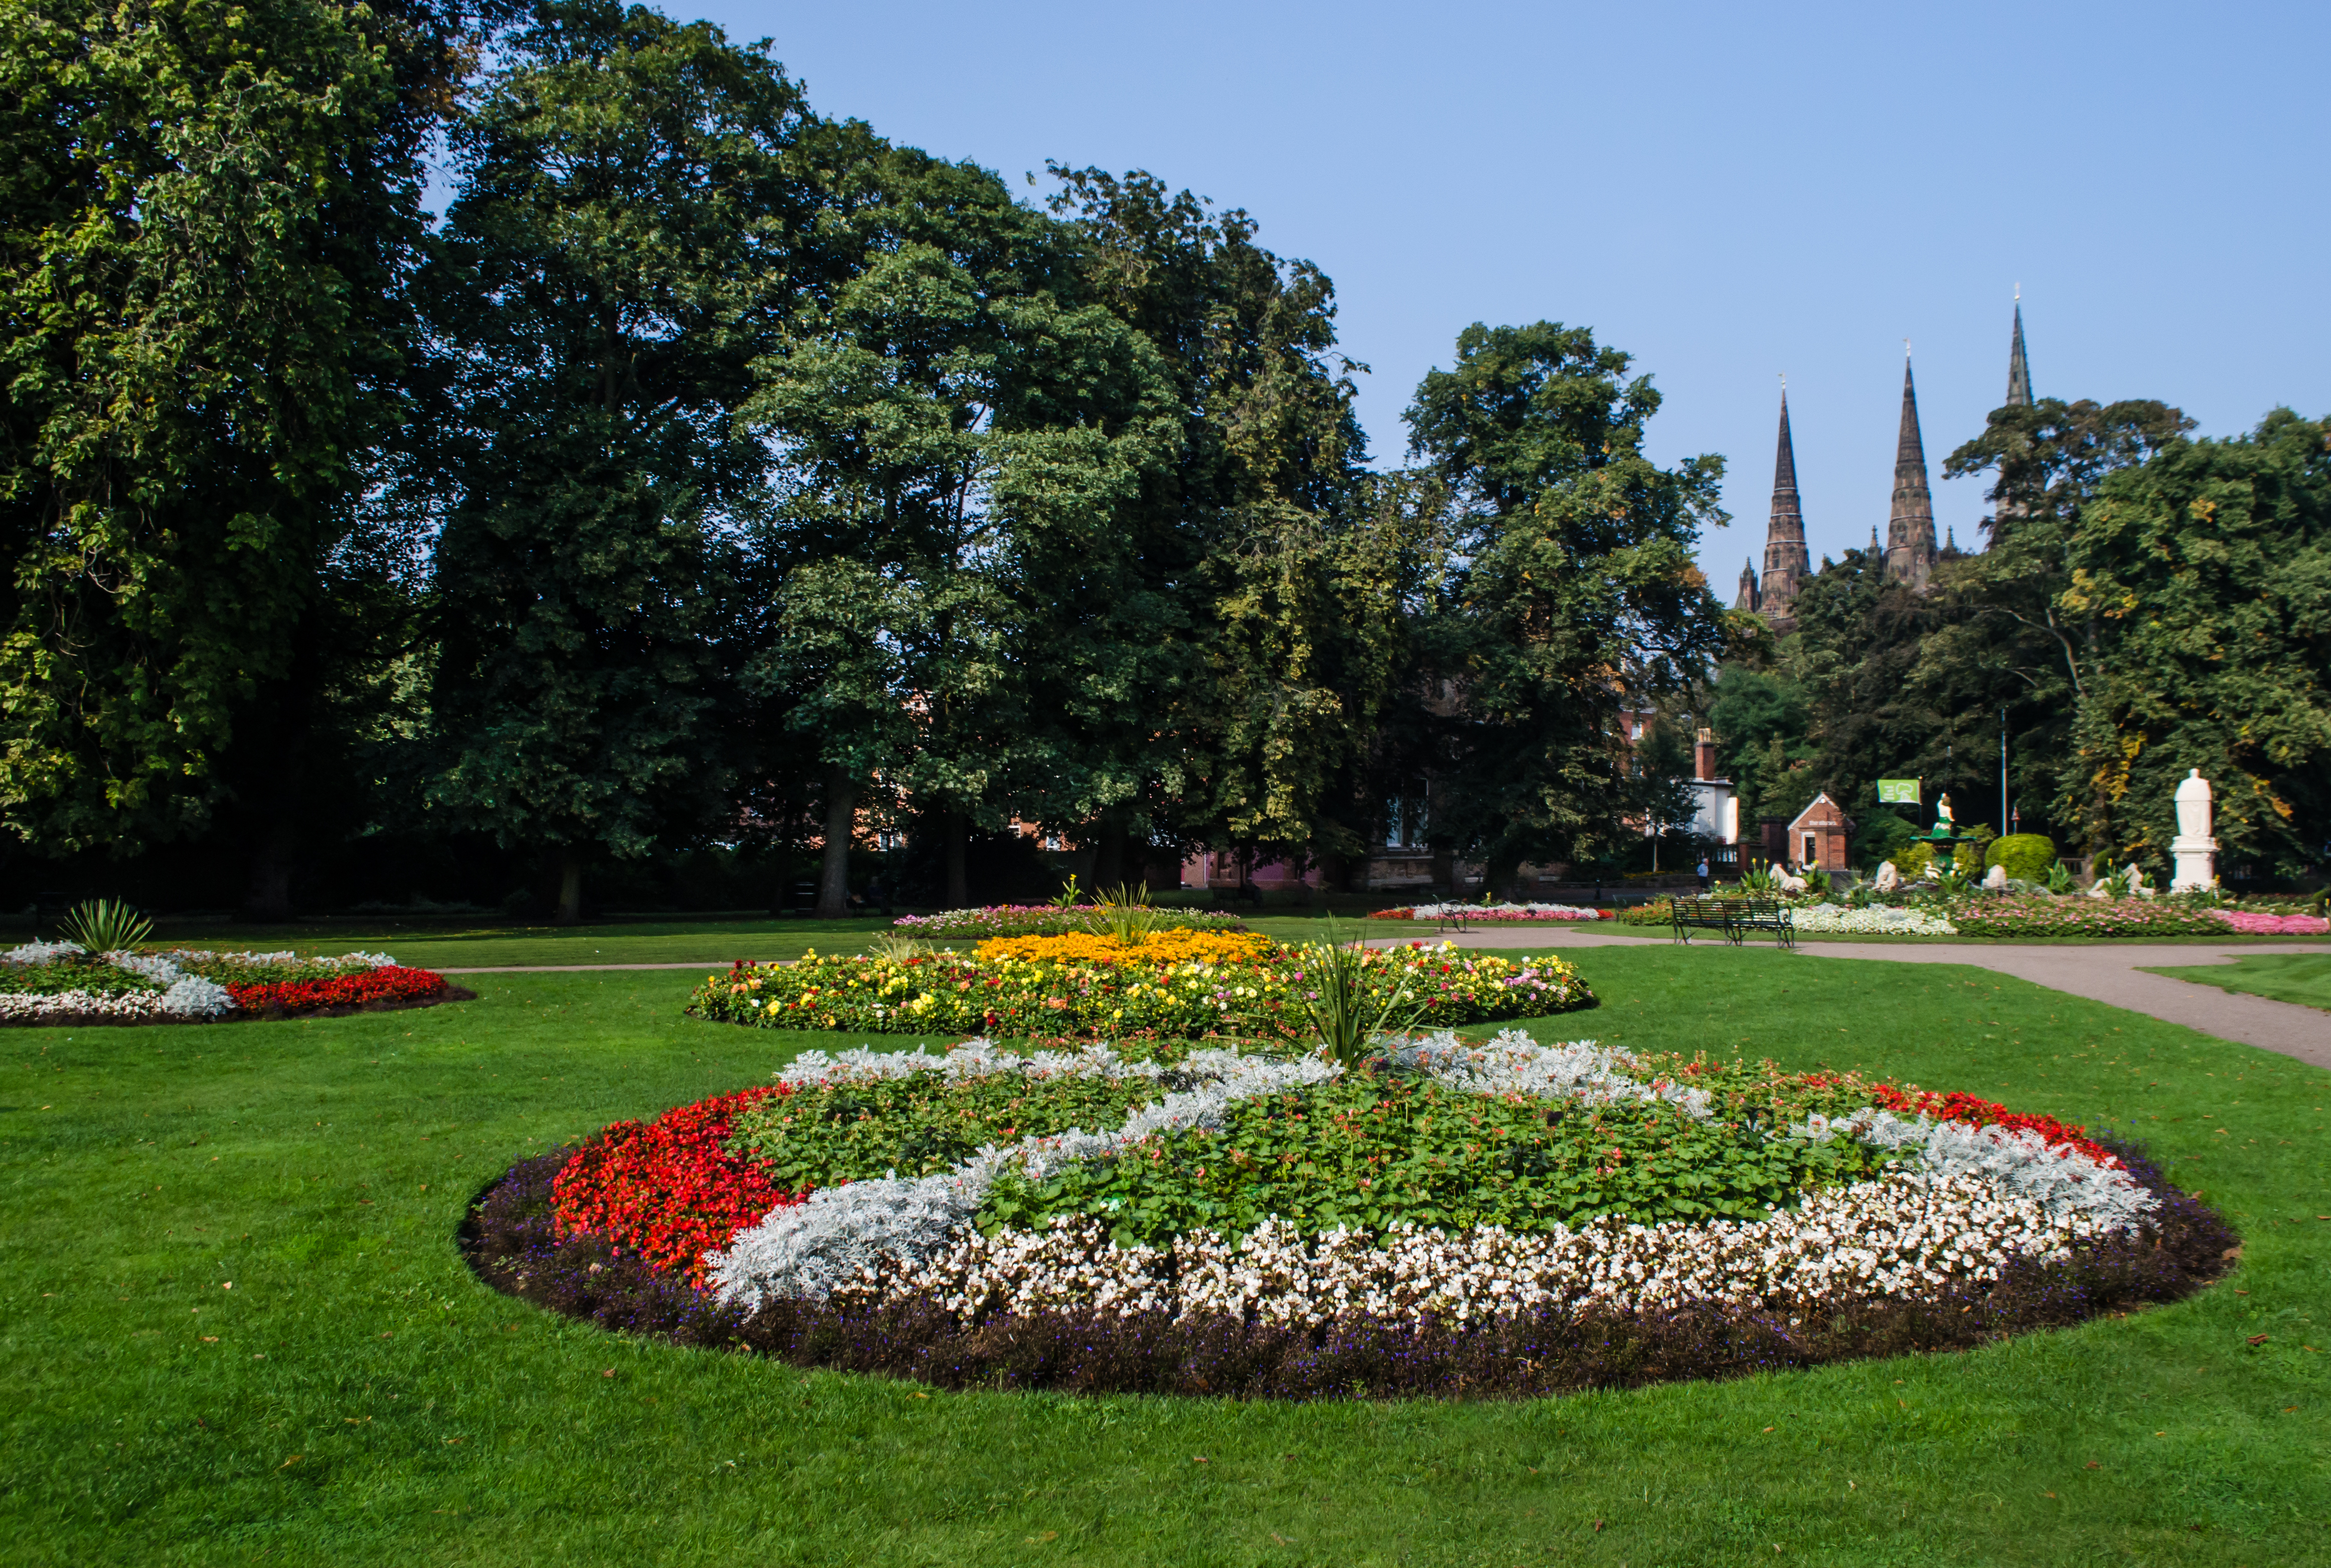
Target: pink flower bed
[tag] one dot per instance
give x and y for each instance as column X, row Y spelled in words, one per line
column 2252, row 924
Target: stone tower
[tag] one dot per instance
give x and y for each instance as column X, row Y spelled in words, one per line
column 1786, row 563
column 1748, row 595
column 1910, row 528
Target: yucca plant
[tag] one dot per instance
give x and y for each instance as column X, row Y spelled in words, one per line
column 2060, row 879
column 107, row 925
column 1337, row 1006
column 1124, row 912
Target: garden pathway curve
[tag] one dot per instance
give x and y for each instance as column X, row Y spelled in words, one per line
column 2112, row 975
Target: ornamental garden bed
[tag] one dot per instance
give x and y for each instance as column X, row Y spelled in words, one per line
column 1174, row 984
column 1496, row 914
column 1053, row 920
column 1435, row 1218
column 2011, row 916
column 48, row 984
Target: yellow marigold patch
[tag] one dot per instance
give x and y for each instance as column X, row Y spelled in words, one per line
column 1162, row 949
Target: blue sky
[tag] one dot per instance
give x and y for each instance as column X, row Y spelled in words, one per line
column 1727, row 192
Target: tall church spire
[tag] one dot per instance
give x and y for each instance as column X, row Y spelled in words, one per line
column 1786, row 562
column 1910, row 528
column 2018, row 369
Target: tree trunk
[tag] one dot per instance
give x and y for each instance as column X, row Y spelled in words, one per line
column 1108, row 851
column 270, row 895
column 959, row 876
column 570, row 886
column 840, row 821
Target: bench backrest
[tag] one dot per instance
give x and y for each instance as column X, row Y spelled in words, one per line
column 1698, row 908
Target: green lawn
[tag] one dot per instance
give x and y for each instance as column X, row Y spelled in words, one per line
column 357, row 1397
column 2301, row 977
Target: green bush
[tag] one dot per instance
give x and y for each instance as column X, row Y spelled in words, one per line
column 2026, row 856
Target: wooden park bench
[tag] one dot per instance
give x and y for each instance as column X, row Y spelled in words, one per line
column 1733, row 919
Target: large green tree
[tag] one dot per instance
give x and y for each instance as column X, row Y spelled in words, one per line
column 623, row 243
column 1571, row 594
column 207, row 215
column 1216, row 678
column 2207, row 571
column 958, row 434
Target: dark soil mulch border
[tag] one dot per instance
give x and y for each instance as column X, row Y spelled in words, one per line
column 508, row 1240
column 338, row 1009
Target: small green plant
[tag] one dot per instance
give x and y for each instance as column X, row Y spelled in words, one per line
column 1337, row 1006
column 2060, row 880
column 895, row 945
column 1070, row 896
column 1759, row 877
column 1124, row 913
column 107, row 925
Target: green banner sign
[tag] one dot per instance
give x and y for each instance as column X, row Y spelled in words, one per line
column 1898, row 792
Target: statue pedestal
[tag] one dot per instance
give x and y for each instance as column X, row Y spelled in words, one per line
column 2195, row 850
column 2197, row 863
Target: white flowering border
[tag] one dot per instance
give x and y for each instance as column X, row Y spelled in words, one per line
column 178, row 994
column 1958, row 1206
column 1872, row 920
column 1493, row 912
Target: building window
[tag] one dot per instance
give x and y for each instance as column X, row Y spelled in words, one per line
column 1405, row 820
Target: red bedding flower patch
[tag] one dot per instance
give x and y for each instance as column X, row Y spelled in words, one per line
column 669, row 1189
column 389, row 983
column 1974, row 1111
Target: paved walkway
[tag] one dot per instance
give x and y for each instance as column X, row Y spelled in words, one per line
column 2109, row 974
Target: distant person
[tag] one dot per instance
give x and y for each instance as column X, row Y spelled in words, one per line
column 1703, row 873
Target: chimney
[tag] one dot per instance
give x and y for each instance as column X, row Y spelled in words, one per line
column 1703, row 755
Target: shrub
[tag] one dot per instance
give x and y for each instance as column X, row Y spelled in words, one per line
column 2026, row 856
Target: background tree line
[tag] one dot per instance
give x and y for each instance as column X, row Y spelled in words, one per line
column 713, row 476
column 2147, row 602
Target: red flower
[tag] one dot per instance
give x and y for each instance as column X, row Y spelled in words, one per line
column 389, row 983
column 1974, row 1111
column 670, row 1188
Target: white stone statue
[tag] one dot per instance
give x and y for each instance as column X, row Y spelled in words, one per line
column 1889, row 879
column 1943, row 813
column 2136, row 881
column 1793, row 884
column 2194, row 849
column 1996, row 879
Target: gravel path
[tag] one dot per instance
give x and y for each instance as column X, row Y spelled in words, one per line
column 2109, row 974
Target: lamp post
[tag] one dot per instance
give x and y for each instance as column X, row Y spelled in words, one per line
column 2002, row 766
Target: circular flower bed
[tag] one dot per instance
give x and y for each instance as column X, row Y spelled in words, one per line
column 1506, row 1218
column 61, row 982
column 1185, row 986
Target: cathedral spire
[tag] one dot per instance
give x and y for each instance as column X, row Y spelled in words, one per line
column 2019, row 368
column 1786, row 562
column 1910, row 528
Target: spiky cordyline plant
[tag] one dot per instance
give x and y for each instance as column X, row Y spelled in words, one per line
column 1124, row 913
column 1337, row 1009
column 895, row 945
